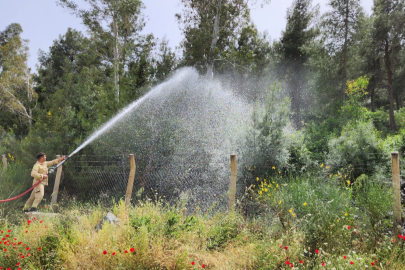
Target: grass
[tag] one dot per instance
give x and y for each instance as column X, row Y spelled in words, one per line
column 313, row 220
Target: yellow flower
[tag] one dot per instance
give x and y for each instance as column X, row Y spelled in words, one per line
column 327, row 167
column 348, row 182
column 279, row 172
column 281, row 177
column 305, row 203
column 279, row 202
column 254, row 185
column 277, row 186
column 257, row 179
column 274, row 189
column 321, row 165
column 290, row 210
column 273, row 182
column 338, row 220
column 273, row 168
column 346, row 214
column 260, row 192
column 330, row 175
column 265, row 190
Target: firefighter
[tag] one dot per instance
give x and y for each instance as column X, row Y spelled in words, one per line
column 39, row 172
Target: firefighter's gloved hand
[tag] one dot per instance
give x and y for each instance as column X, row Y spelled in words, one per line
column 62, row 158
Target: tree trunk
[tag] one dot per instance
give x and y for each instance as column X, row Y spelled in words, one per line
column 390, row 92
column 116, row 62
column 210, row 59
column 345, row 52
column 372, row 99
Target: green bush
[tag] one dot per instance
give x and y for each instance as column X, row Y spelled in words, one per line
column 356, row 151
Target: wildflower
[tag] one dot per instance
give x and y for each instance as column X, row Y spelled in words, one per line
column 257, row 179
column 376, row 261
column 40, row 221
column 348, row 182
column 346, row 214
column 372, row 263
column 348, row 227
column 39, row 248
column 126, row 251
column 203, row 266
column 113, row 253
column 22, row 257
column 132, row 249
column 287, row 263
column 5, row 250
column 351, row 262
column 279, row 202
column 399, row 236
column 323, row 264
column 316, row 251
column 192, row 263
column 327, row 167
column 330, row 175
column 9, row 231
column 285, row 247
column 305, row 203
column 290, row 210
column 321, row 165
column 18, row 264
column 301, row 262
column 26, row 231
column 7, row 235
column 273, row 168
column 105, row 252
column 344, row 257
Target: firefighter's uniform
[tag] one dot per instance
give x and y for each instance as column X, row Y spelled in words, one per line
column 38, row 171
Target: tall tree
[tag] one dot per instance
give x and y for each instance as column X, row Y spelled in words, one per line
column 16, row 93
column 209, row 27
column 339, row 25
column 299, row 31
column 389, row 37
column 117, row 24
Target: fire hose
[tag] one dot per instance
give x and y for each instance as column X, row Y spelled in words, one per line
column 39, row 182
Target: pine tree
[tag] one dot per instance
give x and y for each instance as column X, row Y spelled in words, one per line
column 339, row 26
column 388, row 38
column 293, row 58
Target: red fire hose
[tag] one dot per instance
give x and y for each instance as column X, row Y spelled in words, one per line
column 19, row 196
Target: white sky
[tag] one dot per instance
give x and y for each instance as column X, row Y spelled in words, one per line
column 43, row 21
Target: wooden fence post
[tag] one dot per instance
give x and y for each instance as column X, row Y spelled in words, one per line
column 128, row 194
column 232, row 184
column 54, row 200
column 396, row 185
column 4, row 160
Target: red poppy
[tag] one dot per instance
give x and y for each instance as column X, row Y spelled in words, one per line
column 348, row 227
column 285, row 247
column 323, row 264
column 5, row 250
column 15, row 238
column 344, row 257
column 28, row 248
column 7, row 235
column 126, row 251
column 292, row 265
column 287, row 262
column 39, row 248
column 113, row 253
column 403, row 237
column 40, row 221
column 351, row 262
column 203, row 266
column 9, row 231
column 18, row 264
column 132, row 249
column 29, row 254
column 22, row 257
column 399, row 236
column 301, row 262
column 192, row 263
column 26, row 231
column 104, row 252
column 281, row 246
column 372, row 263
column 376, row 261
column 316, row 251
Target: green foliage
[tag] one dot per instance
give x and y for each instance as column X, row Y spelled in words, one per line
column 356, row 150
column 224, row 230
column 356, row 90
